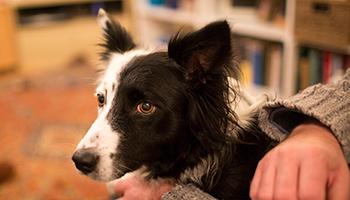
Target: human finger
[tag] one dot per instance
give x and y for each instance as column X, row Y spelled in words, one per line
column 339, row 187
column 287, row 172
column 120, row 186
column 255, row 182
column 266, row 184
column 312, row 180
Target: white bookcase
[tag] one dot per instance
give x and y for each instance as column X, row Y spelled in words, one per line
column 151, row 21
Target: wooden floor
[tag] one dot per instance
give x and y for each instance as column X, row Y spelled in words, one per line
column 42, row 120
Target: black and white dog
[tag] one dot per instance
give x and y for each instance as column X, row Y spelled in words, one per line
column 173, row 114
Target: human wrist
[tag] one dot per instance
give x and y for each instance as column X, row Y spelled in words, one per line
column 314, row 128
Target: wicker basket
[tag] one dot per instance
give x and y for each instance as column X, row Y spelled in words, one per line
column 323, row 23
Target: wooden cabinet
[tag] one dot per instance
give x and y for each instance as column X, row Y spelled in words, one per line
column 38, row 36
column 8, row 57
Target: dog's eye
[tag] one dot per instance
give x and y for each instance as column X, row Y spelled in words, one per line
column 146, row 108
column 100, row 99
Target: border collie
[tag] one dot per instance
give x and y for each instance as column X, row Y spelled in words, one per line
column 173, row 114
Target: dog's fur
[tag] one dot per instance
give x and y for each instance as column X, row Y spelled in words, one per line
column 193, row 134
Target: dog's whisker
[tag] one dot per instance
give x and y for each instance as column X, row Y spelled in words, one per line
column 123, row 167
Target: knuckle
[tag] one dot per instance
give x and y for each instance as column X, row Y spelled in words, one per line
column 253, row 193
column 266, row 160
column 261, row 165
column 253, row 196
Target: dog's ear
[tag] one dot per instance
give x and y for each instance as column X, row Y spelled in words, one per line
column 202, row 53
column 205, row 58
column 116, row 38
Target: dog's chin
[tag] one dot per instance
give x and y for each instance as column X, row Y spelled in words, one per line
column 98, row 176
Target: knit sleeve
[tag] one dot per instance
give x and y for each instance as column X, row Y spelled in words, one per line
column 186, row 192
column 329, row 104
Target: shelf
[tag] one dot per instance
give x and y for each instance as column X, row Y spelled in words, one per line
column 22, row 4
column 261, row 31
column 153, row 21
column 244, row 22
column 341, row 50
column 162, row 13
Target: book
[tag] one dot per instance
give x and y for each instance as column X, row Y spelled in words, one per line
column 260, row 62
column 274, row 67
column 337, row 67
column 157, row 2
column 242, row 56
column 303, row 69
column 326, row 67
column 315, row 66
column 247, row 73
column 257, row 60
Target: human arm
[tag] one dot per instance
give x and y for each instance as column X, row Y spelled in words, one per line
column 309, row 162
column 135, row 187
column 328, row 104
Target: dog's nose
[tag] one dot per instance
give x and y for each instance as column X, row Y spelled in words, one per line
column 85, row 160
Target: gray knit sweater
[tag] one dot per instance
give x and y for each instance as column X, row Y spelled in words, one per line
column 330, row 104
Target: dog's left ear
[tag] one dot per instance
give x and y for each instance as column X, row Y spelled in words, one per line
column 116, row 38
column 203, row 53
column 205, row 58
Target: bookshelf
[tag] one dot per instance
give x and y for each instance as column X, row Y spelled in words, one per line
column 151, row 22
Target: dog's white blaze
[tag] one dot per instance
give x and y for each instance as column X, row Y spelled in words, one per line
column 103, row 140
column 100, row 136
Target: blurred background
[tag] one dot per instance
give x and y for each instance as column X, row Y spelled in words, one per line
column 49, row 61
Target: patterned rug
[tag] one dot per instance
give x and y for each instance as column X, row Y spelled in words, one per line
column 41, row 120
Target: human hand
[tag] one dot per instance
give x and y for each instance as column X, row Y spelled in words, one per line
column 309, row 164
column 133, row 186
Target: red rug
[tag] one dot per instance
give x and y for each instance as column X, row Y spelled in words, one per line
column 41, row 121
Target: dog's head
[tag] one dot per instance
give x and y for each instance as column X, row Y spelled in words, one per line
column 160, row 111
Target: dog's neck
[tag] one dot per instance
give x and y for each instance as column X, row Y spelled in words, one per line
column 204, row 174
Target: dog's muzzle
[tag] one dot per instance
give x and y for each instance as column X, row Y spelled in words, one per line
column 85, row 160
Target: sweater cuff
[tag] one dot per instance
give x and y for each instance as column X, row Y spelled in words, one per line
column 329, row 104
column 186, row 192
